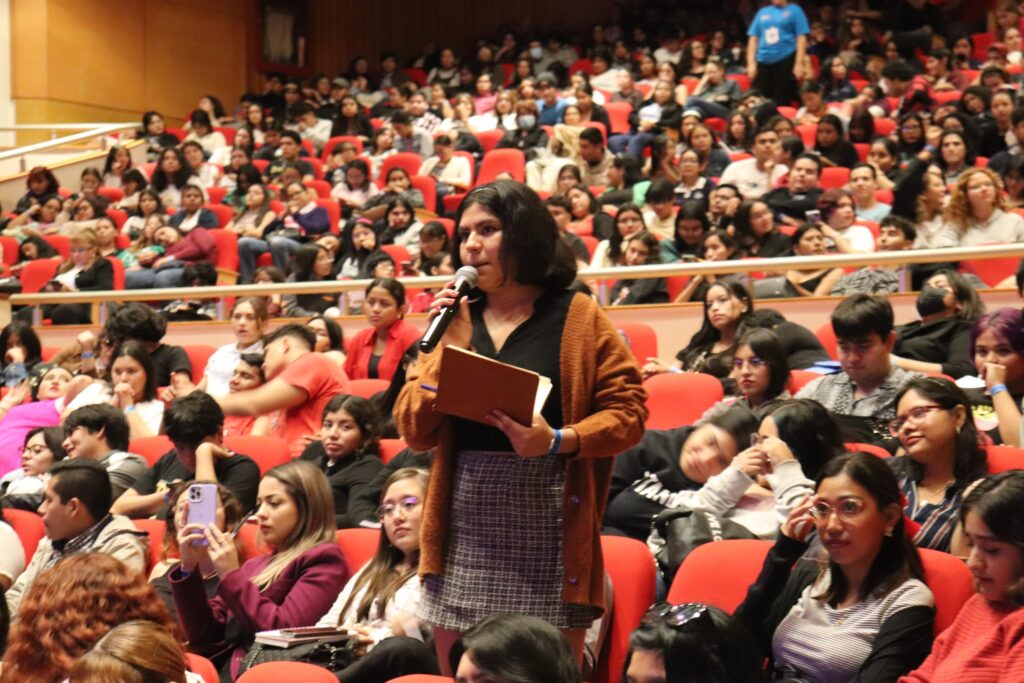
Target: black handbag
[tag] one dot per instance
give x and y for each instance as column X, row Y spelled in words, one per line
column 10, row 285
column 333, row 656
column 684, row 530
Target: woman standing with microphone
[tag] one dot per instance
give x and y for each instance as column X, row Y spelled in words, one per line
column 513, row 512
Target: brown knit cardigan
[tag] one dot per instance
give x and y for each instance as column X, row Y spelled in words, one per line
column 602, row 400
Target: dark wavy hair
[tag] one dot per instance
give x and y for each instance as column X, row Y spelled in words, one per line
column 137, row 352
column 897, row 559
column 366, row 416
column 515, row 648
column 532, row 251
column 24, row 333
column 707, row 335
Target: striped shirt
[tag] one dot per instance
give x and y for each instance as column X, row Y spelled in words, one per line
column 936, row 521
column 823, row 643
column 838, row 394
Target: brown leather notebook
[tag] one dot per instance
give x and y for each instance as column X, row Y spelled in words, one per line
column 472, row 386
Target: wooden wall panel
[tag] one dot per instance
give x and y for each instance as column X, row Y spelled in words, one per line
column 343, row 29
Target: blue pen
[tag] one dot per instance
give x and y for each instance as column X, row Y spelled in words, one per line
column 429, row 387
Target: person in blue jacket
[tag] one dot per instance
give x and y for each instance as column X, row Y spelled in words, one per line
column 777, row 50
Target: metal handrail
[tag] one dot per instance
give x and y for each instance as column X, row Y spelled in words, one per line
column 92, row 132
column 897, row 258
column 57, row 126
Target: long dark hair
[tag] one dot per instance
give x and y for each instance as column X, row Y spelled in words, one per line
column 707, row 335
column 615, row 240
column 970, row 461
column 810, row 431
column 745, row 236
column 997, row 500
column 766, row 345
column 54, row 439
column 335, row 336
column 160, row 180
column 28, row 338
column 381, row 579
column 691, row 210
column 137, row 351
column 897, row 559
column 532, row 250
column 304, row 260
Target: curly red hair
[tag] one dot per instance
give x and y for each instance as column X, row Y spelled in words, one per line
column 69, row 607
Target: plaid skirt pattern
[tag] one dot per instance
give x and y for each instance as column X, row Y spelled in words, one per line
column 504, row 551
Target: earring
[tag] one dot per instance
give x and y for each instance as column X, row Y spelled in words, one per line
column 888, row 533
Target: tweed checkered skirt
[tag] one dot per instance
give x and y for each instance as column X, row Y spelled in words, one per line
column 504, row 552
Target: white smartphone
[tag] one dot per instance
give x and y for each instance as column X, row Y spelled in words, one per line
column 202, row 505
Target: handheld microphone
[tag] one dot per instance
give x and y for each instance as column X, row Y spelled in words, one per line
column 465, row 280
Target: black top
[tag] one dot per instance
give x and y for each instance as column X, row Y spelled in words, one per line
column 774, row 244
column 363, row 502
column 903, row 640
column 168, row 360
column 98, row 277
column 643, row 481
column 348, row 476
column 579, row 249
column 946, row 341
column 534, row 345
column 651, row 290
column 239, row 474
column 802, row 347
column 373, row 369
column 843, row 153
column 782, row 202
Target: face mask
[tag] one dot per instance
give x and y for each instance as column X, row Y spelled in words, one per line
column 536, row 53
column 526, row 121
column 930, row 301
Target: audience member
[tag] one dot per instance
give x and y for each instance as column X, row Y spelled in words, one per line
column 193, row 424
column 376, row 351
column 299, row 383
column 76, row 515
column 291, row 587
column 100, row 433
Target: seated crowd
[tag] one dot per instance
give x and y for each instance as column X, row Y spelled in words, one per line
column 860, row 464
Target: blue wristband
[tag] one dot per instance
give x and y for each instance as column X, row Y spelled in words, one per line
column 996, row 388
column 556, row 442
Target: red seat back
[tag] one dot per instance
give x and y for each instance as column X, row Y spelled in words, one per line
column 151, row 448
column 389, row 448
column 618, row 116
column 367, row 388
column 641, row 338
column 37, row 273
column 198, row 664
column 798, row 379
column 216, row 195
column 951, row 582
column 827, row 336
column 409, row 161
column 855, row 446
column 428, row 187
column 198, row 355
column 155, row 530
column 322, row 188
column 275, row 672
column 630, row 568
column 9, row 246
column 333, row 213
column 511, row 161
column 1003, row 458
column 358, row 546
column 111, row 194
column 719, row 573
column 224, row 213
column 29, row 527
column 676, row 399
column 62, row 243
column 335, row 141
column 834, row 178
column 118, row 268
column 489, row 138
column 227, row 249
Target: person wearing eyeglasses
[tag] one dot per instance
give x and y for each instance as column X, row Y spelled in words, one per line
column 760, row 369
column 865, row 614
column 942, row 460
column 379, row 603
column 689, row 643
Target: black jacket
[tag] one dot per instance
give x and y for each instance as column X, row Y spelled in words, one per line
column 348, row 477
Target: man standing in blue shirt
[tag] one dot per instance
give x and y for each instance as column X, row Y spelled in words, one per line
column 777, row 50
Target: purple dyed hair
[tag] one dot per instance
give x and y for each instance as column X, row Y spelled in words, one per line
column 1006, row 323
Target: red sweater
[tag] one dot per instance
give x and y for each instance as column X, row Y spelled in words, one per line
column 984, row 645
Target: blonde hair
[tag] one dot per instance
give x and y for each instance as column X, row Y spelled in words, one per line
column 958, row 212
column 310, row 492
column 82, row 236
